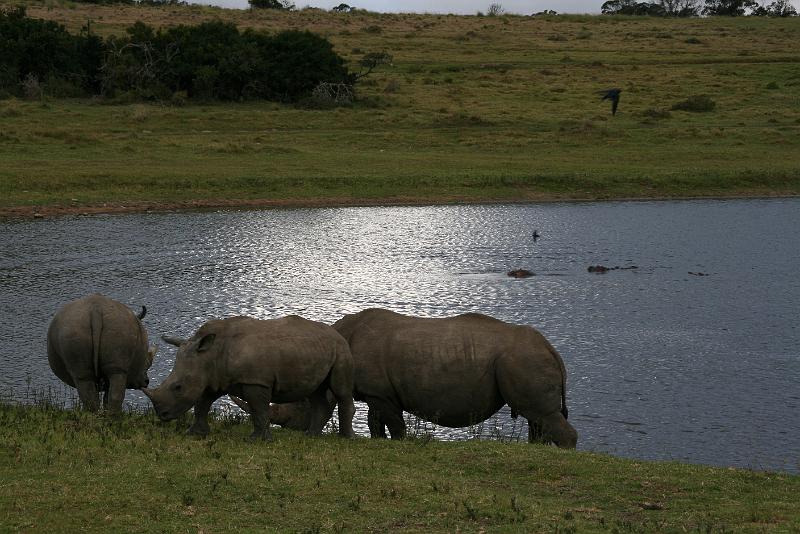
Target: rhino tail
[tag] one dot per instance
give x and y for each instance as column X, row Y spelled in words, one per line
column 96, row 324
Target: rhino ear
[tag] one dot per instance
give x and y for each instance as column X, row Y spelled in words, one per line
column 206, row 342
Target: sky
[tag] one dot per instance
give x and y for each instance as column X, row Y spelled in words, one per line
column 464, row 7
column 469, row 7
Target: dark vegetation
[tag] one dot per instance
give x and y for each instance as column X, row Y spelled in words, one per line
column 697, row 104
column 694, row 8
column 209, row 61
column 271, row 4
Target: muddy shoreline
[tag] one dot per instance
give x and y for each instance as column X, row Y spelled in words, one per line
column 50, row 211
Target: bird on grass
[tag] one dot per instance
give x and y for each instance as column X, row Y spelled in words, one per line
column 613, row 95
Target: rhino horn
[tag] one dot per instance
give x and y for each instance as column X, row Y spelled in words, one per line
column 241, row 403
column 172, row 340
column 143, row 313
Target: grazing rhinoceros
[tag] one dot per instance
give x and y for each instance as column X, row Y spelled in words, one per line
column 96, row 344
column 284, row 360
column 456, row 372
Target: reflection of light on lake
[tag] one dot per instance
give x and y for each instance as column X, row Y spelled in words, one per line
column 498, row 427
column 678, row 355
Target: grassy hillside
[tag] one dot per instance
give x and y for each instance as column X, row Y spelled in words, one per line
column 472, row 108
column 74, row 471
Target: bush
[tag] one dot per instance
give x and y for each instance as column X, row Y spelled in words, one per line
column 215, row 61
column 212, row 60
column 697, row 104
column 35, row 53
column 271, row 4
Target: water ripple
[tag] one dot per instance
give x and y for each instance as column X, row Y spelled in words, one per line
column 655, row 355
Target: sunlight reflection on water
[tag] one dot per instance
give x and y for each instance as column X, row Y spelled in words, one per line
column 662, row 364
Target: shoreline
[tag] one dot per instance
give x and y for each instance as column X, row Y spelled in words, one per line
column 115, row 208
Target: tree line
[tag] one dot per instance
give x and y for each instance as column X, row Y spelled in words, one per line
column 695, row 8
column 212, row 60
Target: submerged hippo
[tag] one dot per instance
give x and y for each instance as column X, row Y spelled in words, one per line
column 456, row 372
column 96, row 344
column 281, row 360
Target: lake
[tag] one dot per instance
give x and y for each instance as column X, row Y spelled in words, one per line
column 694, row 355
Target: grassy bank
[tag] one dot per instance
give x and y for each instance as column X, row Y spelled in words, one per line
column 66, row 471
column 472, row 108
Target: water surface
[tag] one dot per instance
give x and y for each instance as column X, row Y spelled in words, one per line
column 662, row 364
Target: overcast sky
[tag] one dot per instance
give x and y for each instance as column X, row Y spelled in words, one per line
column 466, row 7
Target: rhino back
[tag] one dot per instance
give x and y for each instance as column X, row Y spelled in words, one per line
column 291, row 354
column 439, row 369
column 74, row 343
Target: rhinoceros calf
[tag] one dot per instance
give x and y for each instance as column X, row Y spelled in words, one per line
column 456, row 372
column 281, row 360
column 291, row 415
column 96, row 344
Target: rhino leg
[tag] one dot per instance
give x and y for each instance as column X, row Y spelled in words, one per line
column 376, row 427
column 383, row 412
column 535, row 434
column 341, row 385
column 320, row 412
column 258, row 398
column 115, row 394
column 201, row 408
column 87, row 392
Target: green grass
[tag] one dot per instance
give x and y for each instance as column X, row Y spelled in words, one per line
column 472, row 108
column 64, row 471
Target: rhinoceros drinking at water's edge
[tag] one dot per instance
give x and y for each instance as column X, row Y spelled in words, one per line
column 281, row 360
column 96, row 344
column 456, row 372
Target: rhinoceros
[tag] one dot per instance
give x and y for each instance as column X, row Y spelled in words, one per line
column 285, row 360
column 456, row 372
column 97, row 344
column 291, row 415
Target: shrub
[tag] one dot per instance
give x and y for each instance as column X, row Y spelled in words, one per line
column 34, row 53
column 213, row 60
column 271, row 4
column 495, row 10
column 697, row 104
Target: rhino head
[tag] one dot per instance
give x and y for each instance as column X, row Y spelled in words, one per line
column 189, row 378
